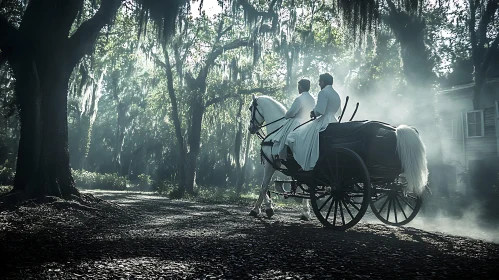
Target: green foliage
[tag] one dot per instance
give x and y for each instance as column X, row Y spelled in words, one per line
column 90, row 180
column 7, row 174
column 164, row 187
column 145, row 182
column 219, row 195
column 5, row 189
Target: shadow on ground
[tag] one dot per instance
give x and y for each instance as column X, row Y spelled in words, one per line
column 149, row 237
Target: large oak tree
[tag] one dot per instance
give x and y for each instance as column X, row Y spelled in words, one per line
column 42, row 53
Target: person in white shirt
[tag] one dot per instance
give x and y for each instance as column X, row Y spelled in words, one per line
column 297, row 114
column 304, row 141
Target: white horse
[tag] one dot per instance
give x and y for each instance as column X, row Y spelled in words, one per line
column 410, row 148
column 265, row 109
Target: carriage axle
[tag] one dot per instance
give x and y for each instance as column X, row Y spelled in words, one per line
column 287, row 195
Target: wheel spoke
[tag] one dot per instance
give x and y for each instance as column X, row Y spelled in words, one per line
column 381, row 196
column 384, row 204
column 395, row 209
column 327, row 178
column 335, row 211
column 329, row 210
column 406, row 202
column 394, row 197
column 346, row 207
column 341, row 212
column 349, row 183
column 388, row 212
column 355, row 206
column 325, row 202
column 401, row 209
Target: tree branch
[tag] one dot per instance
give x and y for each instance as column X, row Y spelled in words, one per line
column 471, row 27
column 217, row 52
column 222, row 32
column 219, row 99
column 485, row 20
column 490, row 52
column 83, row 40
column 391, row 6
column 158, row 61
column 9, row 35
column 173, row 100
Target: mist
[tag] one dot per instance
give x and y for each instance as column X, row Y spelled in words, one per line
column 453, row 205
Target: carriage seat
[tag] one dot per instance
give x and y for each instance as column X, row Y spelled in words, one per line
column 346, row 129
column 356, row 136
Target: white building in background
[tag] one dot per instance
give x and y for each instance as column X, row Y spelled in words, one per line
column 470, row 137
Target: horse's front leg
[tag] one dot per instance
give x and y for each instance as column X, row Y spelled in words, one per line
column 305, row 205
column 305, row 209
column 263, row 197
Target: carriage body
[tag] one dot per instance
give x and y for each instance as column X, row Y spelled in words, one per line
column 374, row 142
column 359, row 167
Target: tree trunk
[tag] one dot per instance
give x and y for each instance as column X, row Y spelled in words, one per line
column 46, row 63
column 43, row 57
column 477, row 88
column 182, row 161
column 482, row 47
column 241, row 178
column 43, row 157
column 28, row 153
column 238, row 144
column 120, row 136
column 194, row 142
column 177, row 124
column 54, row 169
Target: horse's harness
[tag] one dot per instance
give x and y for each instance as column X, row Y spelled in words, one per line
column 259, row 132
column 259, row 125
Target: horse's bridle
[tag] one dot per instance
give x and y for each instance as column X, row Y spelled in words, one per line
column 255, row 126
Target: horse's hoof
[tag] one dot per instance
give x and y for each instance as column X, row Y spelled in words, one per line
column 269, row 212
column 253, row 213
column 305, row 218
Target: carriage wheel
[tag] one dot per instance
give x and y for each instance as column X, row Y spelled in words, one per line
column 392, row 205
column 341, row 193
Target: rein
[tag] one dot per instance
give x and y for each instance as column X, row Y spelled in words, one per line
column 258, row 125
column 263, row 155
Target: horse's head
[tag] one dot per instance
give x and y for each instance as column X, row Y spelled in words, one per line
column 257, row 119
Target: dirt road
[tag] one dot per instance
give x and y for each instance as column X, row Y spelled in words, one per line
column 150, row 237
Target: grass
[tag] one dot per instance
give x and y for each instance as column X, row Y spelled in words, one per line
column 216, row 195
column 210, row 195
column 5, row 189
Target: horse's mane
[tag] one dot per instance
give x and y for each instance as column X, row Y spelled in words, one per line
column 270, row 100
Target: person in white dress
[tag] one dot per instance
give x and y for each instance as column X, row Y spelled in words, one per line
column 304, row 141
column 297, row 114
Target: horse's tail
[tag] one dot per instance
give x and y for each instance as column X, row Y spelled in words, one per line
column 412, row 154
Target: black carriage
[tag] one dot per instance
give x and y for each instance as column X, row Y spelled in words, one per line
column 358, row 167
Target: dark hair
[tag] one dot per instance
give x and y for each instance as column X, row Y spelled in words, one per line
column 326, row 78
column 304, row 84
